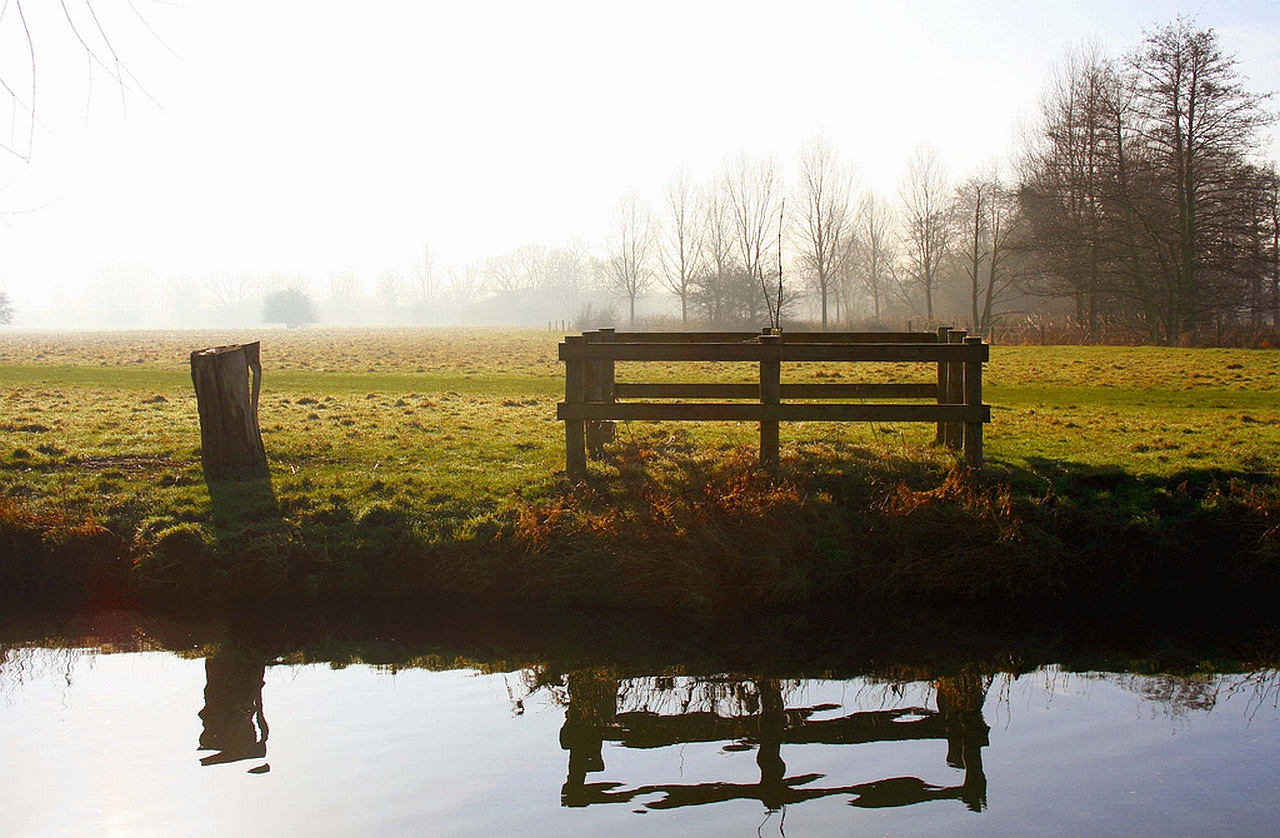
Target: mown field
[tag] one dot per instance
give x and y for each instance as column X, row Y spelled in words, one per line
column 430, row 462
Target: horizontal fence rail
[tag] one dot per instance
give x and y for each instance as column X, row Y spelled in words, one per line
column 591, row 405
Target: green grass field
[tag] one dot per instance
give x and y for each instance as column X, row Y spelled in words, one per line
column 437, row 454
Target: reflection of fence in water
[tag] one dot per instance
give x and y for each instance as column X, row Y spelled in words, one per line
column 758, row 714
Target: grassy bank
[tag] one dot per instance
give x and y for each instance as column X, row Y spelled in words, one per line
column 429, row 463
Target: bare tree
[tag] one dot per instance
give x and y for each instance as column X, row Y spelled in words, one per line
column 629, row 272
column 753, row 191
column 571, row 274
column 503, row 274
column 425, row 283
column 228, row 289
column 466, row 286
column 825, row 221
column 985, row 216
column 389, row 286
column 715, row 281
column 680, row 242
column 1199, row 123
column 7, row 311
column 875, row 255
column 926, row 225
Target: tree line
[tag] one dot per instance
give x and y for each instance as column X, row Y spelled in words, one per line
column 1139, row 199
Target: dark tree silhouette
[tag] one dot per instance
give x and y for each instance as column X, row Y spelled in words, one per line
column 291, row 307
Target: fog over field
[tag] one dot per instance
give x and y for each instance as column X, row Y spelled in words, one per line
column 219, row 164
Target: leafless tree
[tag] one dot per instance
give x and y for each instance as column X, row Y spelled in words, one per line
column 875, row 254
column 425, row 283
column 985, row 216
column 825, row 220
column 714, row 283
column 389, row 286
column 753, row 191
column 629, row 269
column 1200, row 123
column 571, row 274
column 926, row 224
column 503, row 274
column 229, row 289
column 466, row 285
column 680, row 241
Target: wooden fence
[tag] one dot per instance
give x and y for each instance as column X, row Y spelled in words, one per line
column 593, row 398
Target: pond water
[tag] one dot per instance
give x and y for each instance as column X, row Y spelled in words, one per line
column 215, row 739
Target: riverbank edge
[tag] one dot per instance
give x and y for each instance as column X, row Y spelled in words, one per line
column 737, row 542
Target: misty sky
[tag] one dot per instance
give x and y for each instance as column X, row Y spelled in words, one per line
column 317, row 137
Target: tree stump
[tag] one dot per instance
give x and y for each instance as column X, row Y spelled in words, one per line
column 230, row 440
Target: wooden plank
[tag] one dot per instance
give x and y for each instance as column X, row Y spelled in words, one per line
column 730, row 412
column 646, row 390
column 789, row 337
column 749, row 352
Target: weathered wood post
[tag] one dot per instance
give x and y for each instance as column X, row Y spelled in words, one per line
column 599, row 388
column 770, row 393
column 955, row 390
column 575, row 443
column 942, row 386
column 973, row 398
column 230, row 440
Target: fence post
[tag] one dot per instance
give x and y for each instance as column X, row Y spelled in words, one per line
column 942, row 386
column 599, row 388
column 955, row 390
column 973, row 397
column 575, row 449
column 770, row 393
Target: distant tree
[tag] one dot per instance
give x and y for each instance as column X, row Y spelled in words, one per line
column 985, row 214
column 679, row 242
column 714, row 283
column 825, row 219
column 466, row 286
column 426, row 283
column 291, row 307
column 875, row 254
column 1200, row 124
column 388, row 288
column 927, row 225
column 753, row 193
column 629, row 270
column 7, row 313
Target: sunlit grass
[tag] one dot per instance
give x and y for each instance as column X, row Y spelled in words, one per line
column 449, row 439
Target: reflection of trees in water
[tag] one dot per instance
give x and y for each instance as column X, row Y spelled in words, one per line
column 22, row 665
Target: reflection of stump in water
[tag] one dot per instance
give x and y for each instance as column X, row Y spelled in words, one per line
column 232, row 715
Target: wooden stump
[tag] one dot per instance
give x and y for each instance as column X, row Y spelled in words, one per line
column 230, row 440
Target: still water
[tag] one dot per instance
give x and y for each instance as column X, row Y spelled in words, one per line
column 216, row 740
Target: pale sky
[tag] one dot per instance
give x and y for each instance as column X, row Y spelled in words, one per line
column 317, row 137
